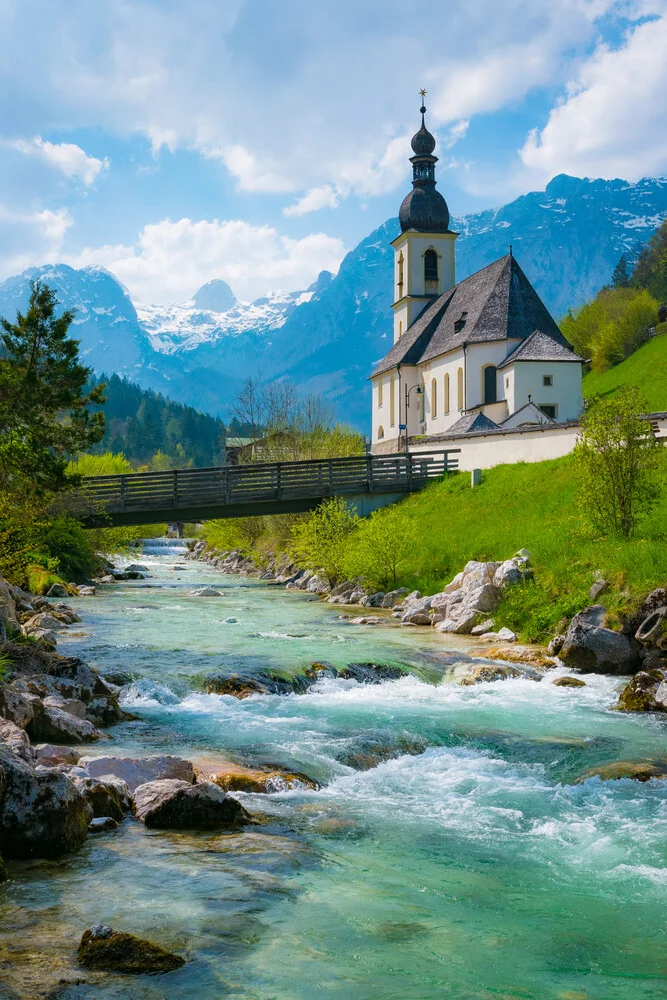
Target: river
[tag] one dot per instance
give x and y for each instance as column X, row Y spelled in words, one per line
column 473, row 870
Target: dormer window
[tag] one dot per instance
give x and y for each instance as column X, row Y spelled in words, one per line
column 460, row 322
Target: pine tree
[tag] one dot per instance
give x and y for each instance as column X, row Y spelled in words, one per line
column 621, row 276
column 45, row 414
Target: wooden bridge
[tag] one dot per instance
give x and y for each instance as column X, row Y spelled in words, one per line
column 368, row 481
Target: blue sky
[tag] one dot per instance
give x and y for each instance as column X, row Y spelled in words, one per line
column 174, row 141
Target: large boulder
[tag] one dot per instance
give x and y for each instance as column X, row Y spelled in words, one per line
column 15, row 706
column 42, row 814
column 16, row 739
column 591, row 647
column 53, row 725
column 646, row 692
column 370, row 673
column 115, row 951
column 135, row 772
column 42, row 621
column 177, row 805
column 70, row 705
column 105, row 798
column 637, row 770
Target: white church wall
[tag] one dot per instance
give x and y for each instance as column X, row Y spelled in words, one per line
column 447, row 364
column 484, row 451
column 564, row 392
column 385, row 412
column 478, row 356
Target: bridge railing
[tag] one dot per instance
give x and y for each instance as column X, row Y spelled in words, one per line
column 266, row 481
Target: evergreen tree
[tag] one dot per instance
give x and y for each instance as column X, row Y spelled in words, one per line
column 651, row 269
column 621, row 276
column 45, row 413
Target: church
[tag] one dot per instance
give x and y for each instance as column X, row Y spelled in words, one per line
column 482, row 355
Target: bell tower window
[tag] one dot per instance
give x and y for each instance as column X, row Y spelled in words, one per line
column 400, row 276
column 430, row 271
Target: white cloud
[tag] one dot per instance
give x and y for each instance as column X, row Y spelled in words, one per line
column 171, row 260
column 67, row 157
column 243, row 165
column 313, row 200
column 613, row 121
column 29, row 238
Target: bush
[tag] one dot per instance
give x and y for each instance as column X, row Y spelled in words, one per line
column 612, row 326
column 381, row 547
column 320, row 542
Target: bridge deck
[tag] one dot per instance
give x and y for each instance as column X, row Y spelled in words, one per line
column 259, row 487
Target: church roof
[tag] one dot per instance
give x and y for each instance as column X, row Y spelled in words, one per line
column 472, row 422
column 496, row 303
column 541, row 347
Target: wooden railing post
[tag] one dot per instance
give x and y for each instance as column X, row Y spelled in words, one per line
column 123, row 492
column 369, row 473
column 408, row 459
column 174, row 499
column 330, row 469
column 278, row 482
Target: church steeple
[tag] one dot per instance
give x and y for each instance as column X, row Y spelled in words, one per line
column 424, row 251
column 424, row 209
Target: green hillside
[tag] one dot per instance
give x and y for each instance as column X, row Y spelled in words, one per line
column 646, row 368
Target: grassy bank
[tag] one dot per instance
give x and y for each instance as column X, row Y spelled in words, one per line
column 647, row 368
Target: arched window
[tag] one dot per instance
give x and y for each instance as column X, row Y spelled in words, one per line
column 459, row 389
column 434, row 398
column 400, row 276
column 430, row 267
column 380, row 391
column 380, row 432
column 392, row 404
column 422, row 402
column 490, row 393
column 446, row 393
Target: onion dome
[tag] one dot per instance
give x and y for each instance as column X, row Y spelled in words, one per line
column 424, row 209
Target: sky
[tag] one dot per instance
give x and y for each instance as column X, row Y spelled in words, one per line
column 178, row 141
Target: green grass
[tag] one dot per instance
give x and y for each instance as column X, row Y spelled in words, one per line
column 532, row 505
column 646, row 368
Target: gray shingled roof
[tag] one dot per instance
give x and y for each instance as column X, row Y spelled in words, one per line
column 541, row 347
column 500, row 303
column 472, row 422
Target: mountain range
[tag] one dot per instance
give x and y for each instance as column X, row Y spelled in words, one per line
column 567, row 239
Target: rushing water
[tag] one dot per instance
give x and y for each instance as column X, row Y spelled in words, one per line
column 472, row 870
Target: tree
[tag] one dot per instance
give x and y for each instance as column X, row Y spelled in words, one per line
column 617, row 460
column 320, row 541
column 383, row 546
column 651, row 269
column 612, row 326
column 45, row 411
column 621, row 276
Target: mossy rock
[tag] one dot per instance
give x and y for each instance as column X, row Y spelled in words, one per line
column 239, row 778
column 116, row 951
column 639, row 694
column 637, row 770
column 569, row 682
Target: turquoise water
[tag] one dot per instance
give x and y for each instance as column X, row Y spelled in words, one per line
column 469, row 869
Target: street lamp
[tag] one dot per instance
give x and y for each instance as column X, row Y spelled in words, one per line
column 419, row 389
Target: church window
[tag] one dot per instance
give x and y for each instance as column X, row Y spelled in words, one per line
column 430, row 269
column 446, row 393
column 459, row 389
column 380, row 432
column 549, row 411
column 507, row 381
column 400, row 275
column 434, row 398
column 380, row 388
column 392, row 403
column 490, row 393
column 547, row 380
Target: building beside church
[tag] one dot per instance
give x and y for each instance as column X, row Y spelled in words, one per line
column 482, row 355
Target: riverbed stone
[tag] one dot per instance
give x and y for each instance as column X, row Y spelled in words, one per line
column 646, row 692
column 232, row 777
column 591, row 647
column 569, row 682
column 137, row 771
column 533, row 656
column 115, row 951
column 555, row 645
column 16, row 739
column 70, row 705
column 15, row 706
column 42, row 814
column 371, row 673
column 103, row 824
column 637, row 770
column 55, row 754
column 394, row 597
column 52, row 725
column 105, row 798
column 57, row 590
column 43, row 621
column 171, row 804
column 205, row 592
column 486, row 672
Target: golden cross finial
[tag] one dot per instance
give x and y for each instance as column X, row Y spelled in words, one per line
column 422, row 93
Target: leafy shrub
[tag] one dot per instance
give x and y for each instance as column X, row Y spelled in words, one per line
column 320, row 541
column 612, row 326
column 381, row 547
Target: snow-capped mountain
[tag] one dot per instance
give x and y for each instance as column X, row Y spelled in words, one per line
column 567, row 238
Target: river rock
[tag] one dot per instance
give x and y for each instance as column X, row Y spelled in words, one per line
column 70, row 705
column 105, row 798
column 555, row 645
column 569, row 682
column 233, row 777
column 374, row 600
column 57, row 590
column 533, row 656
column 16, row 739
column 416, row 614
column 483, row 628
column 51, row 754
column 591, row 647
column 370, row 673
column 52, row 725
column 15, row 706
column 138, row 771
column 486, row 672
column 103, row 824
column 171, row 804
column 87, row 590
column 205, row 592
column 42, row 814
column 7, row 602
column 642, row 770
column 461, row 620
column 42, row 621
column 393, row 597
column 115, row 951
column 656, row 599
column 119, row 678
column 646, row 692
